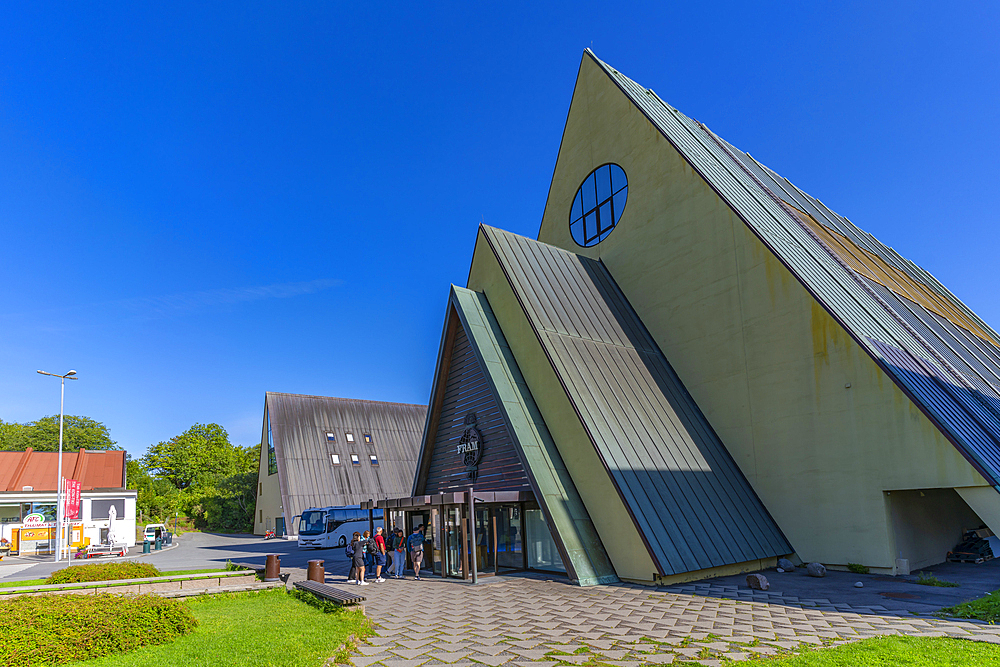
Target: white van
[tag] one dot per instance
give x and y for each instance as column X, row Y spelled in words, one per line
column 155, row 530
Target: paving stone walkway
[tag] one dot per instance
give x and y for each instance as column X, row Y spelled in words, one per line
column 526, row 622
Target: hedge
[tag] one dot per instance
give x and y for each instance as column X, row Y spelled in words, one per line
column 56, row 629
column 102, row 572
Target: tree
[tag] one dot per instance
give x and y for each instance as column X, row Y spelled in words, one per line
column 42, row 435
column 202, row 456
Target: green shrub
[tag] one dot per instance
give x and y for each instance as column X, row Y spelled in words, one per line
column 102, row 572
column 928, row 579
column 857, row 568
column 56, row 629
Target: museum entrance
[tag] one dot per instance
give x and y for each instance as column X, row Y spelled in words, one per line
column 508, row 533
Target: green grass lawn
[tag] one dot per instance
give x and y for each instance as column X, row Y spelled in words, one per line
column 252, row 630
column 26, row 582
column 986, row 608
column 895, row 652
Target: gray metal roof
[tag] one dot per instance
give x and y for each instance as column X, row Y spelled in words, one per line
column 690, row 501
column 572, row 529
column 306, row 474
column 960, row 398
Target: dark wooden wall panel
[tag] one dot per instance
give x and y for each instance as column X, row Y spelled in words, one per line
column 467, row 390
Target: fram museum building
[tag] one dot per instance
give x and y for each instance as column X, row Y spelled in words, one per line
column 695, row 369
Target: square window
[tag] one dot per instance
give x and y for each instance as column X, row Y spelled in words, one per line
column 354, row 460
column 330, row 437
column 368, row 438
column 335, row 458
column 374, row 459
column 350, row 437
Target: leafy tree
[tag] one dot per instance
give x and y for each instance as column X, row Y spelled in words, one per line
column 202, row 456
column 43, row 435
column 201, row 474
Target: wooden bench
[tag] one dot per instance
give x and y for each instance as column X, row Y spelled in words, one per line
column 330, row 593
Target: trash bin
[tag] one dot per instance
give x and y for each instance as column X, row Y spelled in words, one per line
column 272, row 567
column 145, row 546
column 316, row 572
column 157, row 544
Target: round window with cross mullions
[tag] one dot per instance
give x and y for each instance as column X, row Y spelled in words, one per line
column 598, row 205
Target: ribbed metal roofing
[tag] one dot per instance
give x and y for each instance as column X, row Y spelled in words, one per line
column 690, row 501
column 922, row 365
column 306, row 474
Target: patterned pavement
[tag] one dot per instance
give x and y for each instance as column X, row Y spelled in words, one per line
column 524, row 621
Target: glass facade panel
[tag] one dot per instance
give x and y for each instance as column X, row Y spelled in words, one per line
column 272, row 459
column 542, row 552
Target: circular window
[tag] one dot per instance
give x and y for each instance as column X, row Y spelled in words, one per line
column 598, row 205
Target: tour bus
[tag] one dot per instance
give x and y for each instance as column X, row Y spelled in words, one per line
column 325, row 527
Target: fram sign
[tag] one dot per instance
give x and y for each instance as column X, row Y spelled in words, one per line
column 72, row 507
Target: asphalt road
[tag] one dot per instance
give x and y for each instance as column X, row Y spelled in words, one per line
column 194, row 551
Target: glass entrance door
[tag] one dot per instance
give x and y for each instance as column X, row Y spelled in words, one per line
column 509, row 548
column 452, row 517
column 485, row 549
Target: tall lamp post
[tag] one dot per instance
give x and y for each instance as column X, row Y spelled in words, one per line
column 59, row 484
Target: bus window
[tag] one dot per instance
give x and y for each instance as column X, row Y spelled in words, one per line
column 311, row 523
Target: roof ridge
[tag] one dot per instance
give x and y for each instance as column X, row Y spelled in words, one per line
column 340, row 398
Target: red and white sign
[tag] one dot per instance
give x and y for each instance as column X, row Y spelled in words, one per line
column 72, row 499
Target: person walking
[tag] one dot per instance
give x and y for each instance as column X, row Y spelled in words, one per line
column 360, row 543
column 415, row 543
column 379, row 555
column 399, row 553
column 352, row 577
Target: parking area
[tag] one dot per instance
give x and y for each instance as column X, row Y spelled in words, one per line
column 193, row 551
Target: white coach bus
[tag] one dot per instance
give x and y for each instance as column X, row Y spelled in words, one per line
column 325, row 527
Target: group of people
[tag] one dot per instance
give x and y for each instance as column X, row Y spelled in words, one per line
column 368, row 551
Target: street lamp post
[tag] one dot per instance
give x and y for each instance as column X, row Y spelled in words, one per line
column 59, row 480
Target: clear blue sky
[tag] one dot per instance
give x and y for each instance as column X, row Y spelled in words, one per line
column 200, row 204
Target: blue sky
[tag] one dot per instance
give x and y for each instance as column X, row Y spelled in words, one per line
column 200, row 204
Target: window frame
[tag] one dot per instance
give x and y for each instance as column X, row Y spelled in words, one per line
column 373, row 459
column 355, row 460
column 335, row 459
column 594, row 213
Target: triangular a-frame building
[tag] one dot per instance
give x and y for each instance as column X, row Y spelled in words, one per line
column 713, row 368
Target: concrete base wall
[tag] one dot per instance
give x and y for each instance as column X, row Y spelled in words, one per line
column 140, row 587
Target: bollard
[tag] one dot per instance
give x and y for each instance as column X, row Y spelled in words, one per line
column 315, row 572
column 272, row 567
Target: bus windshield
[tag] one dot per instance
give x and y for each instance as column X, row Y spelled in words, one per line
column 312, row 523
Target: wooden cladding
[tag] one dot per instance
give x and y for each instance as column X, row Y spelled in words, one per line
column 467, row 390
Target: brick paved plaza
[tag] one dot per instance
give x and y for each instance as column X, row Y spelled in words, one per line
column 538, row 622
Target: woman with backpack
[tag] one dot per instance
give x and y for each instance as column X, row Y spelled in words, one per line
column 352, row 577
column 359, row 545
